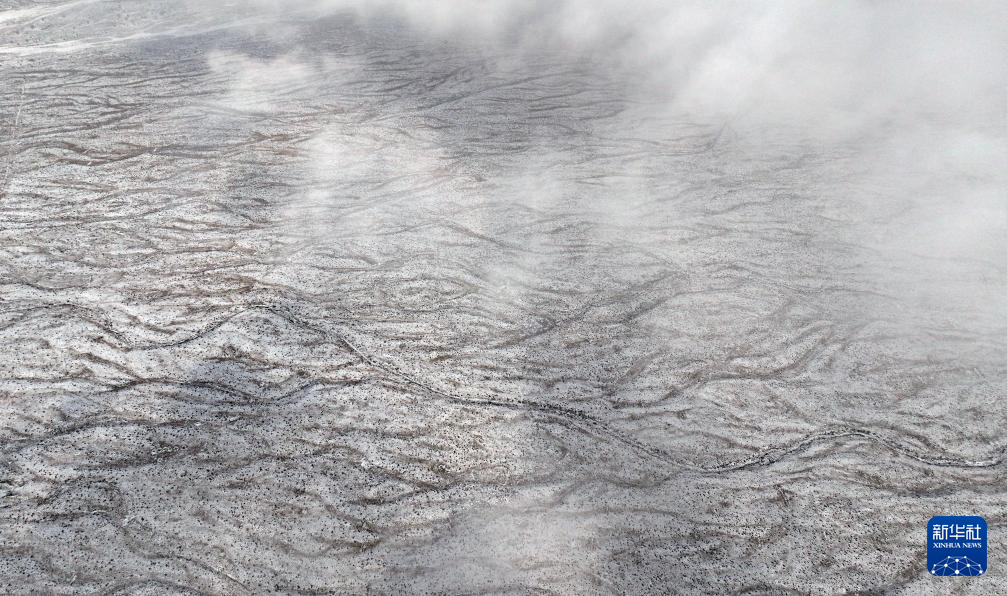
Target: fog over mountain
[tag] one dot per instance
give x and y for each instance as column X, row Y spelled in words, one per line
column 503, row 297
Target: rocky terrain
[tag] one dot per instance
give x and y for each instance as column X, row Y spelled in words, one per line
column 317, row 303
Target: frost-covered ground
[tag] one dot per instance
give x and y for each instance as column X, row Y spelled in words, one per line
column 312, row 298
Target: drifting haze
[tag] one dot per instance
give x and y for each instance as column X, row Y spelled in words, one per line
column 833, row 66
column 912, row 95
column 500, row 296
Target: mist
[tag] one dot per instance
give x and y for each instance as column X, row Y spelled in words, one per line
column 573, row 297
